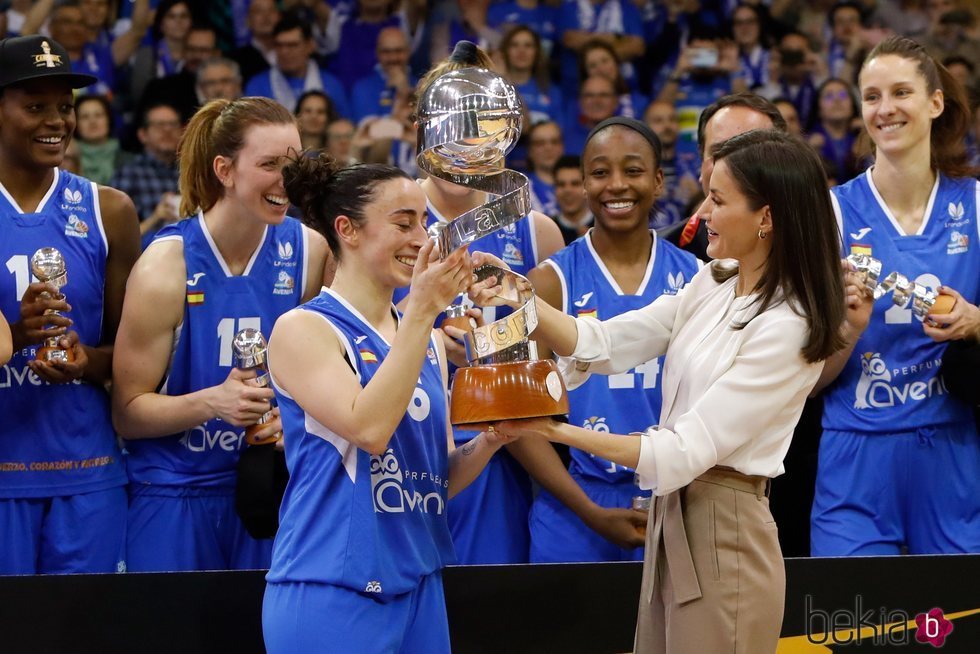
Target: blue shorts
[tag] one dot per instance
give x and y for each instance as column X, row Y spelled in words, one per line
column 876, row 493
column 70, row 534
column 173, row 528
column 559, row 536
column 309, row 617
column 488, row 520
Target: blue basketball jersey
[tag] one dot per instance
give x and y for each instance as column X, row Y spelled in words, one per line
column 55, row 439
column 891, row 383
column 217, row 306
column 374, row 524
column 629, row 401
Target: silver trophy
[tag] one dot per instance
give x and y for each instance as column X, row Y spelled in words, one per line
column 251, row 351
column 923, row 300
column 48, row 265
column 469, row 120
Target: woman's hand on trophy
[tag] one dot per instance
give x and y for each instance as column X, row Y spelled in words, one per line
column 437, row 282
column 859, row 299
column 35, row 324
column 487, row 292
column 268, row 429
column 238, row 402
column 63, row 372
column 453, row 335
column 962, row 322
column 527, row 427
column 622, row 527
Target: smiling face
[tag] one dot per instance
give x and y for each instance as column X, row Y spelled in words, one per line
column 598, row 61
column 622, row 180
column 312, row 116
column 393, row 232
column 732, row 225
column 37, row 119
column 598, row 99
column 253, row 179
column 896, row 104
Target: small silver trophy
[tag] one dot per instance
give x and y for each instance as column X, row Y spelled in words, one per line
column 48, row 265
column 250, row 350
column 923, row 301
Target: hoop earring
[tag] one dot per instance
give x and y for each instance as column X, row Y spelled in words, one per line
column 763, row 234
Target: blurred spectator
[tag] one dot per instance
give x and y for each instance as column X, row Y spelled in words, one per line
column 964, row 71
column 679, row 189
column 340, row 141
column 390, row 139
column 99, row 152
column 356, row 54
column 835, row 127
column 788, row 111
column 950, row 35
column 545, row 147
column 259, row 54
column 180, row 88
column 313, row 112
column 795, row 73
column 597, row 100
column 617, row 22
column 599, row 58
column 905, row 17
column 16, row 14
column 526, row 67
column 538, row 16
column 150, row 179
column 973, row 138
column 574, row 217
column 218, row 78
column 374, row 94
column 705, row 72
column 295, row 71
column 85, row 22
column 164, row 55
column 753, row 45
column 458, row 21
column 847, row 47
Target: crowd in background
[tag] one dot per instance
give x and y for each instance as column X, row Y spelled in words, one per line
column 347, row 69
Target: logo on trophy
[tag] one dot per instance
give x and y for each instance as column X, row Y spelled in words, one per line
column 903, row 290
column 250, row 351
column 469, row 120
column 48, row 265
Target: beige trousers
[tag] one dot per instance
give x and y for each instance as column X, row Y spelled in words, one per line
column 713, row 575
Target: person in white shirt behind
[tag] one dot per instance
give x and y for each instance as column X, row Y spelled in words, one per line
column 745, row 342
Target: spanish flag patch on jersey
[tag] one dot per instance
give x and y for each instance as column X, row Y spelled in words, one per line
column 588, row 313
column 860, row 248
column 195, row 298
column 367, row 356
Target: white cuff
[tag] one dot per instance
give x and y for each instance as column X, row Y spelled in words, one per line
column 646, row 467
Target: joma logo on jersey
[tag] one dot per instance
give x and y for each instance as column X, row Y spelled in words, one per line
column 76, row 227
column 875, row 389
column 389, row 494
column 201, row 439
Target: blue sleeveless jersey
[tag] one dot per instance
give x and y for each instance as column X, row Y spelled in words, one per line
column 217, row 306
column 373, row 524
column 55, row 439
column 891, row 383
column 630, row 401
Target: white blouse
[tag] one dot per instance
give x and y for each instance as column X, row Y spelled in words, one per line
column 730, row 397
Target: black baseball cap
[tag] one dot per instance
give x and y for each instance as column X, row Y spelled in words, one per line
column 25, row 58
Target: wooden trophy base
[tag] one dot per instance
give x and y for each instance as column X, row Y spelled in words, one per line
column 507, row 391
column 50, row 353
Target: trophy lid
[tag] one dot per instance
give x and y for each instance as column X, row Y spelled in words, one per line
column 469, row 119
column 250, row 348
column 48, row 265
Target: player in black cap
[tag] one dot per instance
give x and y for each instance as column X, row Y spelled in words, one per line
column 62, row 483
